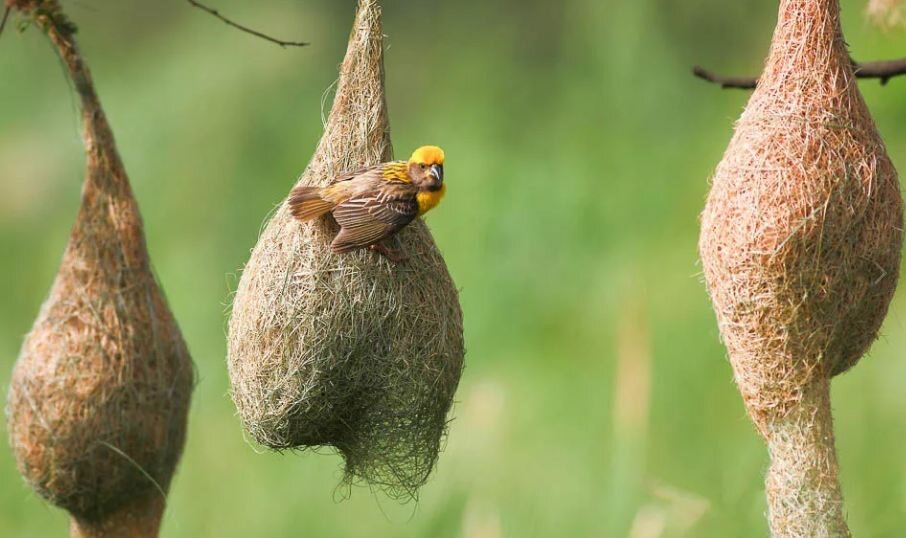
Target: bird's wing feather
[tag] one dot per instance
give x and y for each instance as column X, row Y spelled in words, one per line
column 369, row 218
column 368, row 173
column 306, row 203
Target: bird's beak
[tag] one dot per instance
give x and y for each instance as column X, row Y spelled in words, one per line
column 437, row 170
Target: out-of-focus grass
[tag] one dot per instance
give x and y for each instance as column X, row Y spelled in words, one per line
column 596, row 399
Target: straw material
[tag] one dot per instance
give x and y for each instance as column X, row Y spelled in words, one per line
column 801, row 240
column 887, row 13
column 348, row 350
column 100, row 392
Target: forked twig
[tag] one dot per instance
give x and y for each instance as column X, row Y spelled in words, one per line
column 883, row 70
column 246, row 29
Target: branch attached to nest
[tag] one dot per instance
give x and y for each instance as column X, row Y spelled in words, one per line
column 883, row 71
column 740, row 83
column 246, row 29
column 48, row 16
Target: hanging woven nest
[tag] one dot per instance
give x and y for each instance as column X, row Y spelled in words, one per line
column 348, row 350
column 100, row 392
column 800, row 243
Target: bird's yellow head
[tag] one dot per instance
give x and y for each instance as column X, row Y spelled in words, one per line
column 426, row 168
column 428, row 155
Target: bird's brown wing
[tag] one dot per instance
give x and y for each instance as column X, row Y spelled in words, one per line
column 367, row 219
column 366, row 174
column 355, row 174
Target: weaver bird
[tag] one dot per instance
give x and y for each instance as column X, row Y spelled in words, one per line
column 372, row 204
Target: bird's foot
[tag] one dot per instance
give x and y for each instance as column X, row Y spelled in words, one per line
column 394, row 256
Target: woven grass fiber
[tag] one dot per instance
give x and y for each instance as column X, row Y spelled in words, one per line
column 100, row 392
column 348, row 350
column 800, row 243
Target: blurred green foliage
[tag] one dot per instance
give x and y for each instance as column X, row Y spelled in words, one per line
column 596, row 399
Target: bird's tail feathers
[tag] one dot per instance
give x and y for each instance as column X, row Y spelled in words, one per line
column 306, row 203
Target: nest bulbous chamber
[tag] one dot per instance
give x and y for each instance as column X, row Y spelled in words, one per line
column 802, row 232
column 348, row 350
column 100, row 392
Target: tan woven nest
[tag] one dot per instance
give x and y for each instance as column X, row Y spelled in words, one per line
column 800, row 243
column 348, row 350
column 802, row 232
column 100, row 393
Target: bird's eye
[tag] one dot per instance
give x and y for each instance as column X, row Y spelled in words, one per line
column 423, row 166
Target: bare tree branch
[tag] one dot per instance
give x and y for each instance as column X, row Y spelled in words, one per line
column 741, row 83
column 882, row 71
column 246, row 29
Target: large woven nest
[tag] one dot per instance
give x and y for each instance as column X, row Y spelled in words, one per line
column 800, row 244
column 887, row 13
column 348, row 350
column 100, row 393
column 802, row 232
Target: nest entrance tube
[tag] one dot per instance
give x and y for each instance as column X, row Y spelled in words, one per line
column 347, row 350
column 800, row 244
column 802, row 488
column 99, row 395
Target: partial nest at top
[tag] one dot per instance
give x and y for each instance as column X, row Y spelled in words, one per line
column 887, row 13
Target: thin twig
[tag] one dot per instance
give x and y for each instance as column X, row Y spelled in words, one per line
column 741, row 83
column 5, row 16
column 882, row 71
column 246, row 29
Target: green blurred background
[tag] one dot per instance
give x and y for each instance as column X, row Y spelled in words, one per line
column 596, row 400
